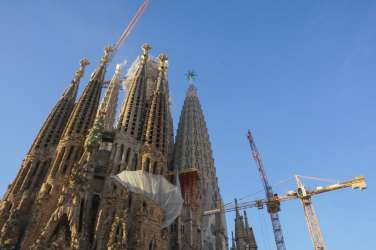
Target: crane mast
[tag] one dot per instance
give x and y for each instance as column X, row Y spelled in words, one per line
column 305, row 197
column 273, row 204
column 310, row 216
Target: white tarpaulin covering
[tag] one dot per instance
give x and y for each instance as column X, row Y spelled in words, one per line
column 157, row 188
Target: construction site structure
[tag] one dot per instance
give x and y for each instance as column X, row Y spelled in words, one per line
column 194, row 161
column 273, row 208
column 244, row 238
column 64, row 196
column 70, row 201
column 304, row 195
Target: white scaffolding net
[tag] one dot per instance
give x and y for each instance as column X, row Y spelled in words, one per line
column 157, row 188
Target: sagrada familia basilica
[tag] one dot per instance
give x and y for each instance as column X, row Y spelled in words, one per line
column 64, row 196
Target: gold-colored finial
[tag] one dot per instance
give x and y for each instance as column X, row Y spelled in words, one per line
column 107, row 54
column 84, row 61
column 145, row 48
column 80, row 72
column 163, row 62
column 145, row 51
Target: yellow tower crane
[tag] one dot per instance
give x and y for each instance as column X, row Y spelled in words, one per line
column 305, row 195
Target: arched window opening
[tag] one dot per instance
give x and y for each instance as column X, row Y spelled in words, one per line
column 32, row 174
column 147, row 164
column 62, row 230
column 58, row 161
column 81, row 215
column 93, row 217
column 70, row 153
column 127, row 155
column 135, row 161
column 155, row 167
column 129, row 200
column 120, row 157
column 42, row 174
column 114, row 151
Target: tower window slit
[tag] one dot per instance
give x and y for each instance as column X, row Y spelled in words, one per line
column 70, row 153
column 22, row 177
column 121, row 152
column 81, row 215
column 58, row 161
column 94, row 212
column 33, row 172
column 127, row 155
column 42, row 174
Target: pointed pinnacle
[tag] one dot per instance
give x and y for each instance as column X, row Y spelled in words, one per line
column 237, row 207
column 118, row 69
column 107, row 55
column 145, row 52
column 192, row 91
column 163, row 62
column 145, row 48
column 80, row 72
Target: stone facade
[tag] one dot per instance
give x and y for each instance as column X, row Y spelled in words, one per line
column 244, row 236
column 64, row 197
column 194, row 160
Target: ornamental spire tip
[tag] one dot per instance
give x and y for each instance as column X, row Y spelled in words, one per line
column 145, row 52
column 80, row 72
column 163, row 62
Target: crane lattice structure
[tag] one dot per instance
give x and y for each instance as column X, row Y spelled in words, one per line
column 304, row 195
column 273, row 208
column 115, row 48
column 130, row 26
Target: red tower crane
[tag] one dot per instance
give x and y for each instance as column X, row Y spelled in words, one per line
column 129, row 28
column 273, row 207
column 126, row 33
column 131, row 25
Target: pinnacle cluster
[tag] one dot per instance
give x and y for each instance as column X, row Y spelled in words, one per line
column 64, row 197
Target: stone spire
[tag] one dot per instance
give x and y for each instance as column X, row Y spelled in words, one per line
column 68, row 152
column 81, row 120
column 233, row 244
column 132, row 114
column 108, row 107
column 192, row 147
column 250, row 235
column 50, row 133
column 53, row 127
column 244, row 236
column 19, row 197
column 239, row 223
column 193, row 154
column 246, row 219
column 157, row 121
column 84, row 113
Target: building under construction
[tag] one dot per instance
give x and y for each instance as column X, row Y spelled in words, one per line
column 64, row 196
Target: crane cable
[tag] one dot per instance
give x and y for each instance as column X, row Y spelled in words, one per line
column 259, row 191
column 319, row 179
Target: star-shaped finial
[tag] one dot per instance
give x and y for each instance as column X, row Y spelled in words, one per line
column 191, row 75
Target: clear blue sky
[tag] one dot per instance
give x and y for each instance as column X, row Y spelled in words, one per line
column 301, row 74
